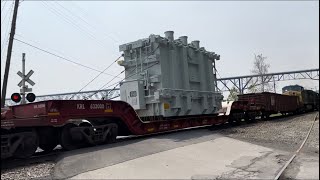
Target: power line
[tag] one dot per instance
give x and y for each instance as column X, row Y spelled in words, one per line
column 129, row 77
column 126, row 76
column 107, row 83
column 3, row 45
column 100, row 22
column 136, row 66
column 67, row 19
column 86, row 22
column 50, row 49
column 83, row 20
column 118, row 83
column 6, row 32
column 71, row 22
column 73, row 14
column 61, row 57
column 6, row 14
column 4, row 4
column 98, row 76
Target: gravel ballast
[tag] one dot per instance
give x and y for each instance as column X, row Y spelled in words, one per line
column 29, row 172
column 284, row 133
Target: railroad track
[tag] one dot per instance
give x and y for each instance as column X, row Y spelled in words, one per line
column 41, row 157
column 281, row 172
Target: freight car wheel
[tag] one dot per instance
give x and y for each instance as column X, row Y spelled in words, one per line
column 28, row 146
column 113, row 133
column 252, row 119
column 233, row 122
column 265, row 116
column 48, row 138
column 67, row 141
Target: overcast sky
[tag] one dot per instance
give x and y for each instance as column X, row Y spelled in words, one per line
column 90, row 32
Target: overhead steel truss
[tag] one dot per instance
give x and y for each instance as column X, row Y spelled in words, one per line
column 92, row 95
column 243, row 82
column 223, row 84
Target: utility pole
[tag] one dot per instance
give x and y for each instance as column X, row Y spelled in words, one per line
column 6, row 72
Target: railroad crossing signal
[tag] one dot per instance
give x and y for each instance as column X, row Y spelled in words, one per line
column 16, row 97
column 24, row 88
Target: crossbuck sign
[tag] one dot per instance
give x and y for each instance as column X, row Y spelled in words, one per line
column 26, row 79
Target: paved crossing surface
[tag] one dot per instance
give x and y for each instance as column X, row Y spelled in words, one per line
column 192, row 154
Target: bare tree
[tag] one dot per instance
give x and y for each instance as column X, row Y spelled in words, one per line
column 260, row 67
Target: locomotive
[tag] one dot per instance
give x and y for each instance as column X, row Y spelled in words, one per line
column 308, row 99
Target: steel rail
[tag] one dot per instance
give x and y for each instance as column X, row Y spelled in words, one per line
column 297, row 151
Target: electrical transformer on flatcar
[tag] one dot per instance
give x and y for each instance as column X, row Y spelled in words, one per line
column 167, row 77
column 169, row 85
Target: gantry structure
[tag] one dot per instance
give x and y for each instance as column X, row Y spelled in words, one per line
column 241, row 83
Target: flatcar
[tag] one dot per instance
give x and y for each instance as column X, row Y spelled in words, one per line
column 168, row 85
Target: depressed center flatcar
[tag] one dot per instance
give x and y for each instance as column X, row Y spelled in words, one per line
column 169, row 85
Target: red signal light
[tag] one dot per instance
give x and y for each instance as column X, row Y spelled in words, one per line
column 16, row 97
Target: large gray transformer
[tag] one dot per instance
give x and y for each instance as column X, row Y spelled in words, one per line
column 166, row 77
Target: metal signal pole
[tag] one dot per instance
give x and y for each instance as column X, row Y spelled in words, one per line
column 274, row 85
column 23, row 101
column 6, row 72
column 25, row 78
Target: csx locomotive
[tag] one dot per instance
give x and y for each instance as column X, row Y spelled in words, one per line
column 308, row 99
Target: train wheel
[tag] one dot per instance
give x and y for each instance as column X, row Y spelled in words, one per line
column 252, row 120
column 234, row 122
column 48, row 138
column 113, row 133
column 265, row 116
column 68, row 142
column 28, row 146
